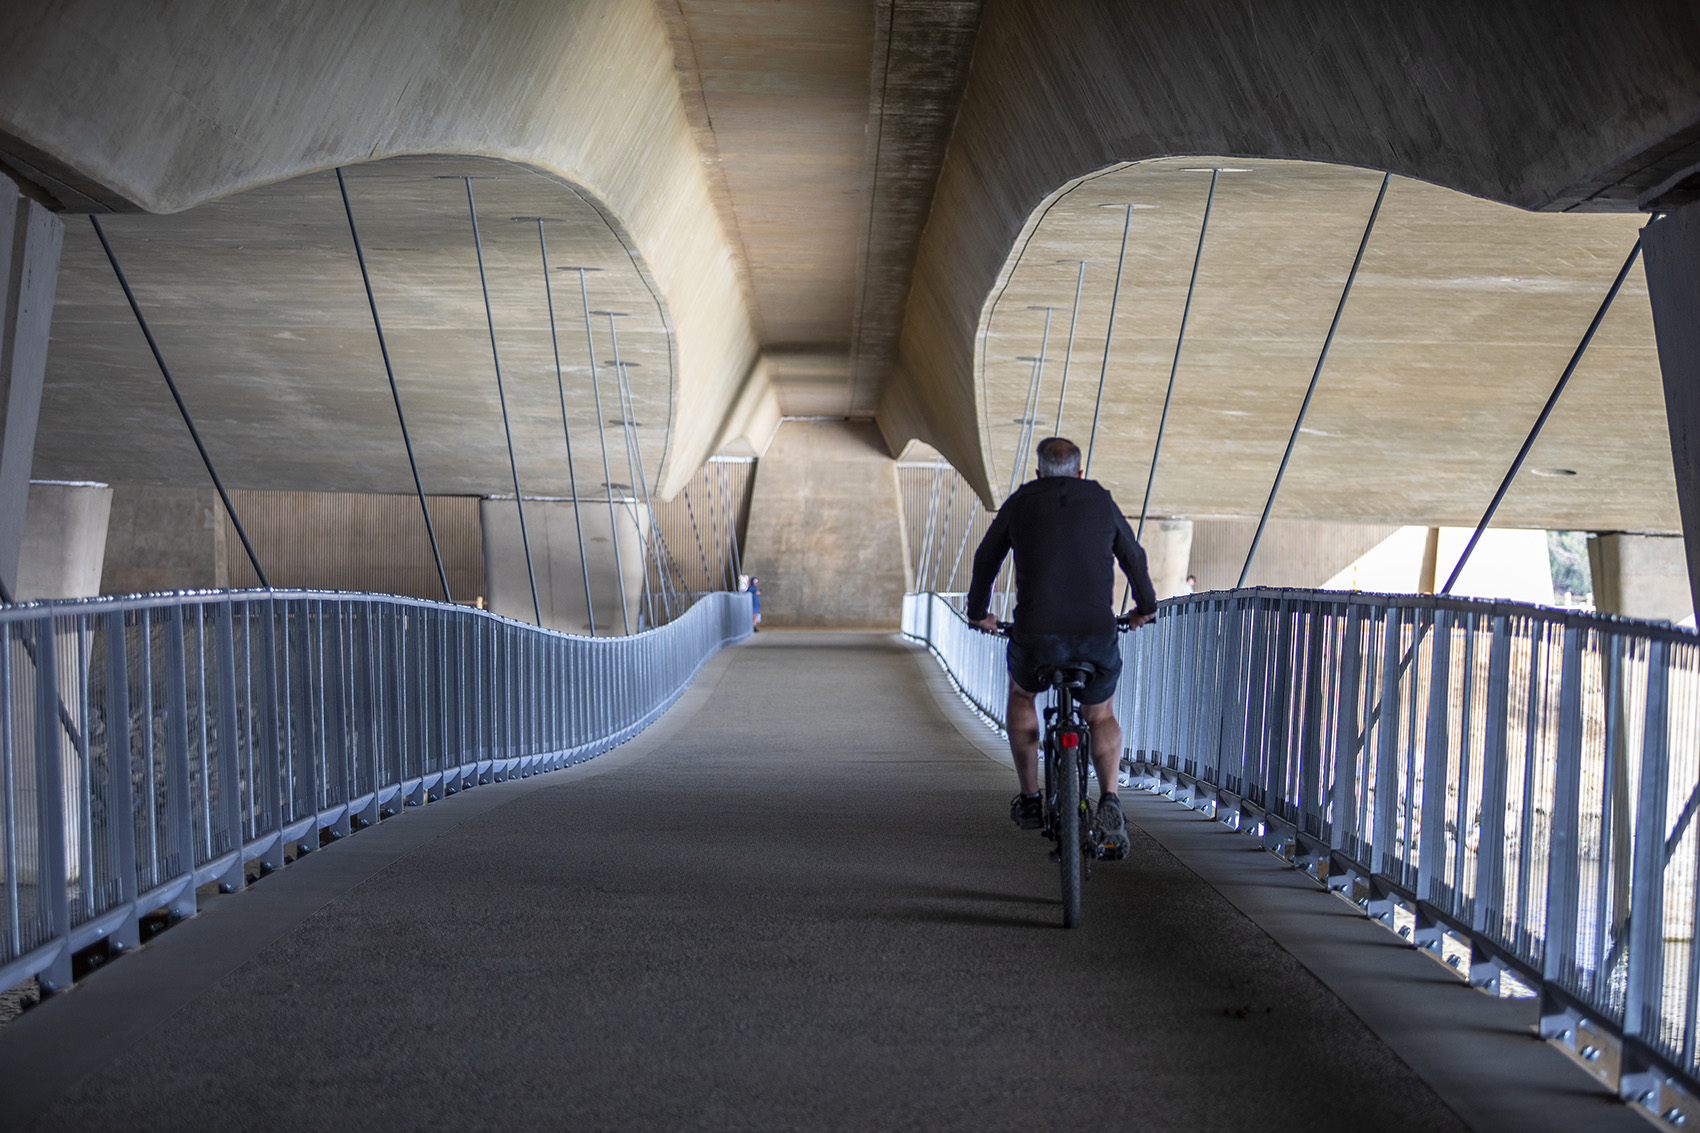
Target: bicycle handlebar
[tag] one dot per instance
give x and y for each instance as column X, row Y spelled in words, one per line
column 1122, row 626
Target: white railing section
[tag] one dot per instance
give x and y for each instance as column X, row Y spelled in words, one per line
column 1513, row 787
column 152, row 745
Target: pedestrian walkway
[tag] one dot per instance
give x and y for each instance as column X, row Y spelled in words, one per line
column 796, row 902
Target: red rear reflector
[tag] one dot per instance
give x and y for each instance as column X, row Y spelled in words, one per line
column 1069, row 739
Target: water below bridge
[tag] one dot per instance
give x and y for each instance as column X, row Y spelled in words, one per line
column 796, row 902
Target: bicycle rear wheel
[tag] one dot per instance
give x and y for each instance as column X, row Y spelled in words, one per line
column 1068, row 831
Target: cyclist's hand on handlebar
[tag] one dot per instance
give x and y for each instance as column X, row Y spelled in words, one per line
column 1133, row 619
column 987, row 624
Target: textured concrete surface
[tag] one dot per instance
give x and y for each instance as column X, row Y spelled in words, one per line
column 166, row 539
column 116, row 106
column 825, row 535
column 796, row 903
column 1463, row 315
column 1484, row 99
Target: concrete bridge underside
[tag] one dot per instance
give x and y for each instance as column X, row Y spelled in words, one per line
column 795, row 902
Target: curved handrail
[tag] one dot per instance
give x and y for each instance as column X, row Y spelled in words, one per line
column 150, row 744
column 1514, row 787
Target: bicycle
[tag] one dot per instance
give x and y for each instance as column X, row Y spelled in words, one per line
column 1066, row 750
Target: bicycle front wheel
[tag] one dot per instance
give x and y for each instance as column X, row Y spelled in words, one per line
column 1068, row 831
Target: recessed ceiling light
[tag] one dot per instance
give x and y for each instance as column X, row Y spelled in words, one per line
column 1211, row 169
column 1553, row 471
column 1124, row 205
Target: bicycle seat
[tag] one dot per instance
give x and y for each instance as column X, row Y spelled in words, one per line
column 1071, row 676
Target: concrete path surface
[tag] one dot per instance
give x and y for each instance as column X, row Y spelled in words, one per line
column 797, row 902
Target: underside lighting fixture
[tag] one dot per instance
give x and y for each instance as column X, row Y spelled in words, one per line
column 1553, row 471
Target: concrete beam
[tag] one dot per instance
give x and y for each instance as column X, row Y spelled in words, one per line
column 1536, row 104
column 158, row 110
column 1671, row 248
column 30, row 238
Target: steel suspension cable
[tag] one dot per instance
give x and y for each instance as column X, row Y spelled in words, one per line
column 737, row 507
column 1032, row 425
column 602, row 435
column 944, row 532
column 566, row 431
column 1310, row 390
column 502, row 399
column 696, row 533
column 165, row 372
column 645, row 595
column 634, row 468
column 1109, row 332
column 1174, row 365
column 1546, row 411
column 395, row 395
column 1068, row 350
column 634, row 462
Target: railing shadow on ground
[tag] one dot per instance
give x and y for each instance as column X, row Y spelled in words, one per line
column 1510, row 787
column 155, row 744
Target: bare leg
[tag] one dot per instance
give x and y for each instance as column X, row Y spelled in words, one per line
column 1022, row 720
column 1106, row 743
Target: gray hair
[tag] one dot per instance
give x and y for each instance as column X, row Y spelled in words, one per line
column 1058, row 456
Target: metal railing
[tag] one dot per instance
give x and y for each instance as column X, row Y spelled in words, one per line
column 1513, row 787
column 152, row 745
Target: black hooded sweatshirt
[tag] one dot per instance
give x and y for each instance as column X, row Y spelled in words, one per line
column 1067, row 534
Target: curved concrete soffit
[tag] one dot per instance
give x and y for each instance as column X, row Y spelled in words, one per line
column 1503, row 102
column 114, row 106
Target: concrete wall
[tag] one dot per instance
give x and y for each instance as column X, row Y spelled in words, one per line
column 165, row 539
column 553, row 531
column 357, row 541
column 1291, row 553
column 825, row 534
column 1534, row 103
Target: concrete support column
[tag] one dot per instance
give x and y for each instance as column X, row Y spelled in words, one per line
column 30, row 238
column 1671, row 249
column 1168, row 555
column 825, row 531
column 64, row 547
column 555, row 561
column 1640, row 576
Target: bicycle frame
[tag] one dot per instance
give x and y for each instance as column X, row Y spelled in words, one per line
column 1064, row 719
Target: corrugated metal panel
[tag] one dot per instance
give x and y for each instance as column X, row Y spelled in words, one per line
column 703, row 528
column 942, row 524
column 357, row 541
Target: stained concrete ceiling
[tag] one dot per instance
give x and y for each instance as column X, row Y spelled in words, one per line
column 257, row 303
column 1462, row 317
column 823, row 125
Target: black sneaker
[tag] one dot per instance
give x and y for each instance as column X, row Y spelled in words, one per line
column 1109, row 834
column 1027, row 812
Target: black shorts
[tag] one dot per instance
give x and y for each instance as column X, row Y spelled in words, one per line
column 1031, row 654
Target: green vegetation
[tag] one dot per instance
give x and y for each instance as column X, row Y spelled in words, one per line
column 1571, row 579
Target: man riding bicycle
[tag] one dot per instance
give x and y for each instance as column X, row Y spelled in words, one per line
column 1066, row 533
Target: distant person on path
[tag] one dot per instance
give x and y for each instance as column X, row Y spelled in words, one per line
column 1067, row 534
column 755, row 604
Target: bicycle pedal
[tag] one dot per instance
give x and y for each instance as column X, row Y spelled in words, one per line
column 1109, row 853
